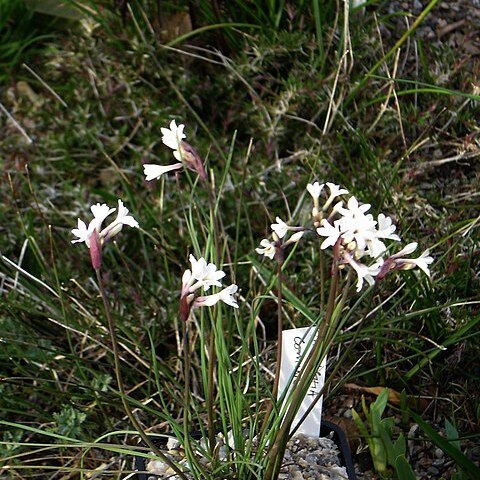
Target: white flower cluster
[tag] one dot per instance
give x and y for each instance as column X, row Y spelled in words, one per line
column 279, row 232
column 205, row 275
column 355, row 235
column 100, row 213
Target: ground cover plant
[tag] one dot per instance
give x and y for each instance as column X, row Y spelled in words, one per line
column 274, row 98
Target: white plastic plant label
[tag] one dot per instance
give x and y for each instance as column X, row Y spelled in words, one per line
column 296, row 344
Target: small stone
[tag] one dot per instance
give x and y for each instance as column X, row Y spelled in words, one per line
column 347, row 414
column 439, row 453
column 302, row 463
column 434, row 471
column 306, row 458
column 417, row 5
column 173, row 443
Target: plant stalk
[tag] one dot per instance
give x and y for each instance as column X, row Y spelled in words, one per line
column 186, row 392
column 211, row 393
column 276, row 380
column 121, row 386
column 277, row 450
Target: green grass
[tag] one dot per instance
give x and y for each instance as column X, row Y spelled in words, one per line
column 270, row 105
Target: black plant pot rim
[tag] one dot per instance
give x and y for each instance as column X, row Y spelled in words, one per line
column 326, row 429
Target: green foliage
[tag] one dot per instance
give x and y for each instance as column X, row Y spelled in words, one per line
column 10, row 440
column 267, row 73
column 386, row 453
column 69, row 422
column 21, row 35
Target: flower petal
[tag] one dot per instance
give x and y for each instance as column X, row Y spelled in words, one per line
column 173, row 136
column 152, row 171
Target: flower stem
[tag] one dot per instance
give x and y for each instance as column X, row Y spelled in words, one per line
column 279, row 330
column 211, row 393
column 277, row 450
column 337, row 364
column 186, row 389
column 121, row 386
column 276, row 380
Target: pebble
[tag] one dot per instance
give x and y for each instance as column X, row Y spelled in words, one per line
column 439, row 453
column 348, row 414
column 433, row 471
column 306, row 458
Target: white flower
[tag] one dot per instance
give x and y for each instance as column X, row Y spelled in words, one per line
column 335, row 191
column 360, row 232
column 385, row 229
column 407, row 250
column 399, row 262
column 355, row 225
column 123, row 218
column 280, row 228
column 201, row 275
column 207, row 274
column 173, row 137
column 225, row 295
column 315, row 189
column 364, row 272
column 294, row 238
column 204, row 275
column 354, row 209
column 266, row 248
column 82, row 233
column 421, row 262
column 332, row 232
column 100, row 213
column 152, row 171
column 360, row 228
column 375, row 248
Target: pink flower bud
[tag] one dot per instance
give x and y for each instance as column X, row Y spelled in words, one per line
column 95, row 251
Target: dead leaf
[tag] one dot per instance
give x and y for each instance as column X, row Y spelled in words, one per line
column 393, row 395
column 416, row 403
column 174, row 26
column 449, row 27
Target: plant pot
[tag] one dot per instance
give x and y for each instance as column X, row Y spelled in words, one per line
column 327, row 429
column 339, row 437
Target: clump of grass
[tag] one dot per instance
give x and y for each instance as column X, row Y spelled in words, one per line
column 277, row 90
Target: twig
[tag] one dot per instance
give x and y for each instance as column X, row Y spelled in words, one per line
column 16, row 124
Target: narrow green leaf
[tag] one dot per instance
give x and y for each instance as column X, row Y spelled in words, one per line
column 452, row 451
column 403, row 469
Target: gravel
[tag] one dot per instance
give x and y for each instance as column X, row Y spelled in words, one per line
column 305, row 458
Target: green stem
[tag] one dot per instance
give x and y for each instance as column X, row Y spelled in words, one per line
column 121, row 386
column 322, row 282
column 276, row 380
column 279, row 330
column 212, row 346
column 337, row 364
column 186, row 389
column 277, row 450
column 211, row 393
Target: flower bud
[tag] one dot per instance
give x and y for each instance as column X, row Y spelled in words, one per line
column 192, row 159
column 95, row 251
